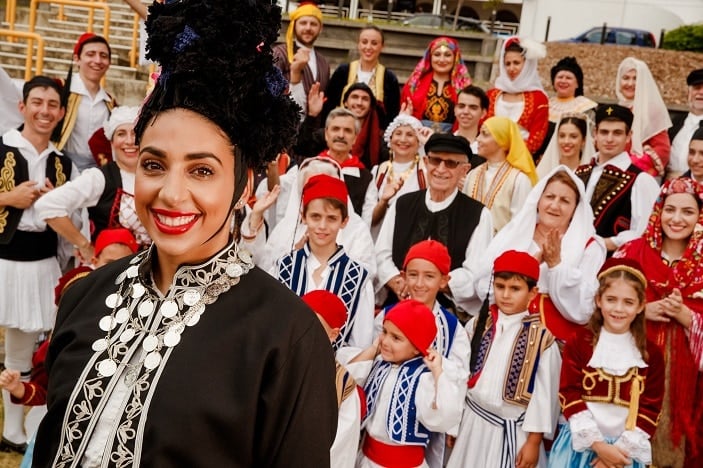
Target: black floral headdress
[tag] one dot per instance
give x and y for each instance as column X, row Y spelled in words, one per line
column 216, row 60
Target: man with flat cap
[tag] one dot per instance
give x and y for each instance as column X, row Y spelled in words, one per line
column 621, row 195
column 683, row 126
column 440, row 212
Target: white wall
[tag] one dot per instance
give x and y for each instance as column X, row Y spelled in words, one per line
column 572, row 17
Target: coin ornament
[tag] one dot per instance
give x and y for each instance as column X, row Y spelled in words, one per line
column 142, row 317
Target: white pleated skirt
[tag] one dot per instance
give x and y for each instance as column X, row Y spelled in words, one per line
column 27, row 294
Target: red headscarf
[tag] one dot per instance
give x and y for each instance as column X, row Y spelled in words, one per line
column 421, row 77
column 662, row 278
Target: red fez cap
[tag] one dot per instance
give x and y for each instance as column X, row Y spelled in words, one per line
column 514, row 261
column 432, row 251
column 623, row 264
column 115, row 236
column 324, row 186
column 328, row 305
column 81, row 40
column 416, row 321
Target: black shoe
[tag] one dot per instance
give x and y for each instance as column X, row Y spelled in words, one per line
column 9, row 447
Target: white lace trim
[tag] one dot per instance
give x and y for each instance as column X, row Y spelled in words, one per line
column 636, row 444
column 616, row 353
column 584, row 431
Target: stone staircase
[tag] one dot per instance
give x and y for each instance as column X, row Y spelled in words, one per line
column 404, row 46
column 126, row 83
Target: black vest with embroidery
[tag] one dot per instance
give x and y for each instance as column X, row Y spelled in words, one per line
column 612, row 207
column 357, row 186
column 100, row 214
column 14, row 170
column 452, row 226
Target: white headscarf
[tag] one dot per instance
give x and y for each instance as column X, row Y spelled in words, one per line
column 519, row 232
column 528, row 79
column 354, row 237
column 550, row 158
column 650, row 113
column 119, row 116
column 399, row 121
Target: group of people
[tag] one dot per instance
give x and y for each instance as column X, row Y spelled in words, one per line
column 495, row 275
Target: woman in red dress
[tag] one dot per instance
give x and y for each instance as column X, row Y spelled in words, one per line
column 670, row 254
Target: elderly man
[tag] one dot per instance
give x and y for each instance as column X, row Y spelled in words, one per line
column 442, row 213
column 368, row 144
column 341, row 129
column 297, row 58
column 684, row 126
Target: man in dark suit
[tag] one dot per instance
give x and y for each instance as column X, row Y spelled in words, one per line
column 684, row 126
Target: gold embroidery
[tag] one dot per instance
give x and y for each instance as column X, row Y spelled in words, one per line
column 609, row 110
column 7, row 184
column 615, row 383
column 69, row 120
column 60, row 176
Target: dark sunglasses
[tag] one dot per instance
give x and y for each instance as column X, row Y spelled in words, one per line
column 448, row 163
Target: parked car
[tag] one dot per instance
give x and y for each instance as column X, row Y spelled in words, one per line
column 621, row 36
column 428, row 20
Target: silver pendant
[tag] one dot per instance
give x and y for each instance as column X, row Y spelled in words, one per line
column 169, row 309
column 191, row 297
column 122, row 315
column 152, row 360
column 137, row 290
column 150, row 343
column 146, row 308
column 107, row 323
column 107, row 367
column 113, row 300
column 171, row 339
column 99, row 345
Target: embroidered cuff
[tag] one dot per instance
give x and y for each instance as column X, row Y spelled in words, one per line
column 636, row 444
column 584, row 431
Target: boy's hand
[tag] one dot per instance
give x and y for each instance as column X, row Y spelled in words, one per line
column 449, row 441
column 433, row 361
column 528, row 456
column 10, row 381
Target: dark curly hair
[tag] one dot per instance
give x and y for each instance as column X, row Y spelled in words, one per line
column 216, row 60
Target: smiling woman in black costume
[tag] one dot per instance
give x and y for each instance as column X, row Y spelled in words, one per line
column 187, row 354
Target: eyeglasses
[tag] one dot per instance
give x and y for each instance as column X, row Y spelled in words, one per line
column 448, row 163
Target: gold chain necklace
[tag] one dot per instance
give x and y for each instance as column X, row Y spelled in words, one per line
column 405, row 174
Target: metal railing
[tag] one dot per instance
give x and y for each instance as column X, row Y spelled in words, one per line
column 134, row 46
column 90, row 5
column 30, row 36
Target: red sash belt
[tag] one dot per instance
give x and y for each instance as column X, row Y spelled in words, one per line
column 393, row 456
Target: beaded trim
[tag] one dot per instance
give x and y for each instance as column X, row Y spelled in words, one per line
column 141, row 321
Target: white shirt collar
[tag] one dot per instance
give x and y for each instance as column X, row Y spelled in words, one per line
column 15, row 139
column 616, row 353
column 622, row 161
column 434, row 206
column 78, row 87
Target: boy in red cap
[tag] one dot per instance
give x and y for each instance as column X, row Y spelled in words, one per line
column 332, row 313
column 511, row 401
column 426, row 273
column 88, row 105
column 408, row 395
column 323, row 264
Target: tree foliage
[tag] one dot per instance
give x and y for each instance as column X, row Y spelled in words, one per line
column 688, row 37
